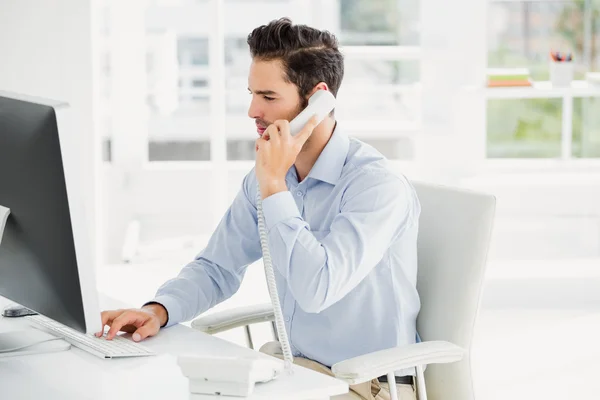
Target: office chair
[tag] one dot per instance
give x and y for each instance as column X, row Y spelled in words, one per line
column 454, row 236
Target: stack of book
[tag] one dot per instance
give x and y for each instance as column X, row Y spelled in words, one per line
column 505, row 77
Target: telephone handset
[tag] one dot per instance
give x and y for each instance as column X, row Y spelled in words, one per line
column 320, row 104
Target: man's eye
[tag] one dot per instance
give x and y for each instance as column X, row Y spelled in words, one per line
column 269, row 98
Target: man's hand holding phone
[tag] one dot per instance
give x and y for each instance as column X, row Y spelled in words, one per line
column 276, row 152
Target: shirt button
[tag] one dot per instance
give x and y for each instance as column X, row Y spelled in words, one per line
column 287, row 319
column 299, row 193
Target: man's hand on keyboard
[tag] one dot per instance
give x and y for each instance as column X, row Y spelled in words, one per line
column 142, row 323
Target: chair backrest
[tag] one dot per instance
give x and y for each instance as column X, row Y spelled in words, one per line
column 454, row 235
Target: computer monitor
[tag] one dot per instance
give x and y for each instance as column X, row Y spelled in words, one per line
column 46, row 263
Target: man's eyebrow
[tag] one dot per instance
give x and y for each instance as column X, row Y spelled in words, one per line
column 263, row 92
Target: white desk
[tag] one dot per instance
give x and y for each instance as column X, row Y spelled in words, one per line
column 77, row 375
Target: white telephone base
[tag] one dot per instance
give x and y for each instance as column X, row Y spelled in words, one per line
column 227, row 376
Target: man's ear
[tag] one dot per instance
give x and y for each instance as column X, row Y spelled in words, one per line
column 319, row 86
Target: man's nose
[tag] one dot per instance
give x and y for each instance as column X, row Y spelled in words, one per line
column 254, row 111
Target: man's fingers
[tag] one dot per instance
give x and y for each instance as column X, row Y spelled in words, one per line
column 262, row 144
column 127, row 318
column 284, row 129
column 305, row 133
column 272, row 133
column 148, row 329
column 107, row 318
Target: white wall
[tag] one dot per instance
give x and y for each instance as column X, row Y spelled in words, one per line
column 451, row 59
column 544, row 215
column 46, row 51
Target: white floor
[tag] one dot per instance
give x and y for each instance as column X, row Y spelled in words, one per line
column 537, row 336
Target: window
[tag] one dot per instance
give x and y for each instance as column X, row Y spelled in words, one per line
column 380, row 22
column 176, row 119
column 106, row 150
column 179, row 149
column 521, row 34
column 526, row 128
column 192, row 51
column 200, row 83
column 379, row 90
column 586, row 128
column 379, row 96
column 380, row 85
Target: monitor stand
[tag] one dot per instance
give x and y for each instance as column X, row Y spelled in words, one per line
column 4, row 213
column 30, row 341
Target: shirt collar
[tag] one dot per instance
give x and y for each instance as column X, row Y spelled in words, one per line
column 332, row 159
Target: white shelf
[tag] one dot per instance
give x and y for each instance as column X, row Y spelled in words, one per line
column 543, row 89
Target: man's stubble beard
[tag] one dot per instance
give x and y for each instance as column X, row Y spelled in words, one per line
column 303, row 104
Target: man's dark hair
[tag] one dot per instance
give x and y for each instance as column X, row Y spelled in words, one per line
column 309, row 56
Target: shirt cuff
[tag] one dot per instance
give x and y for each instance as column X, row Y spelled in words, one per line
column 279, row 207
column 173, row 310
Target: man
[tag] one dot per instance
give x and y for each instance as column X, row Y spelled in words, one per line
column 342, row 228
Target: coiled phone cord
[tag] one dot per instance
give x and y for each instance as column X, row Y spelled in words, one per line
column 272, row 285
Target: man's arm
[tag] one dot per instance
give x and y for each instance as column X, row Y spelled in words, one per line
column 217, row 272
column 375, row 211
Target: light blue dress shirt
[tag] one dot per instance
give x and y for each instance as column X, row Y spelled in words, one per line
column 344, row 249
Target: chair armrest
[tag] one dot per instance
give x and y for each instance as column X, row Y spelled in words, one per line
column 229, row 319
column 370, row 366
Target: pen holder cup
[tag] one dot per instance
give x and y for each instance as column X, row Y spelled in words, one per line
column 561, row 73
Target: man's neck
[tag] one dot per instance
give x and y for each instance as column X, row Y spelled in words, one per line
column 313, row 147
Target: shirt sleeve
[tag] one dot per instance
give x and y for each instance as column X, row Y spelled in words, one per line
column 216, row 273
column 375, row 210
